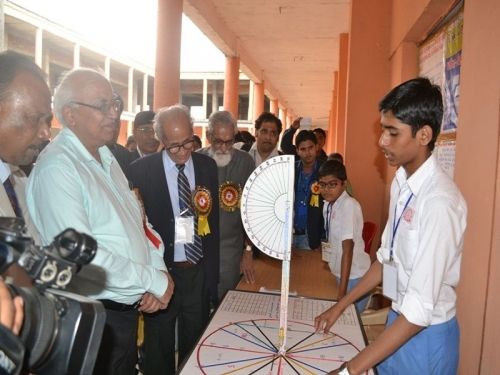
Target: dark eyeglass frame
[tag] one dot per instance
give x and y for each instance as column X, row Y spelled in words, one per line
column 104, row 108
column 188, row 145
column 330, row 186
column 219, row 142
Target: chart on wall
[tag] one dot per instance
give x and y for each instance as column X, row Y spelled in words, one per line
column 440, row 59
column 242, row 338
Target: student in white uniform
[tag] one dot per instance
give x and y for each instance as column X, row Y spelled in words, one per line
column 419, row 258
column 343, row 220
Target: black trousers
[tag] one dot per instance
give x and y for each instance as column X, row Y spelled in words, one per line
column 118, row 349
column 190, row 308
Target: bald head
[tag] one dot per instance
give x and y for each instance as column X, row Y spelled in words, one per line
column 85, row 103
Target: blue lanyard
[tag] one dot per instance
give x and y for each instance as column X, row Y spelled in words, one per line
column 395, row 225
column 329, row 210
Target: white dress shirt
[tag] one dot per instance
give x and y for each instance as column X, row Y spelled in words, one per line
column 428, row 243
column 344, row 221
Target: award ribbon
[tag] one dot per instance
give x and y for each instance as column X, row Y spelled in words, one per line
column 314, row 202
column 202, row 202
column 229, row 196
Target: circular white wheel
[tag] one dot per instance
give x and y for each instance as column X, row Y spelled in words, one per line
column 267, row 206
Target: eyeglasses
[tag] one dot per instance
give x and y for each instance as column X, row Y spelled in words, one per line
column 146, row 130
column 330, row 185
column 186, row 145
column 104, row 107
column 219, row 142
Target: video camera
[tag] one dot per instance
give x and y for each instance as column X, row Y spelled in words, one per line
column 61, row 331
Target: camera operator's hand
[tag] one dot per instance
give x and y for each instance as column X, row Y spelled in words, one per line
column 11, row 310
column 151, row 304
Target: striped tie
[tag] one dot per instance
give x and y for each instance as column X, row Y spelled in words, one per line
column 193, row 250
column 11, row 193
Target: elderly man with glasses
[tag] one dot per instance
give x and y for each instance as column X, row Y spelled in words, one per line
column 144, row 134
column 179, row 191
column 78, row 183
column 234, row 167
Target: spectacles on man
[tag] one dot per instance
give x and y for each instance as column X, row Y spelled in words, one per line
column 186, row 145
column 146, row 130
column 330, row 185
column 104, row 107
column 219, row 142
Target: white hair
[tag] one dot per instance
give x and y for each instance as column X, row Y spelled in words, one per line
column 168, row 113
column 221, row 118
column 66, row 90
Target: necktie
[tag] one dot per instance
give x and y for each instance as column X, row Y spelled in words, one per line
column 11, row 193
column 193, row 250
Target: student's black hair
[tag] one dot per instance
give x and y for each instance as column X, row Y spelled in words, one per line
column 320, row 131
column 336, row 156
column 305, row 135
column 268, row 117
column 333, row 168
column 416, row 102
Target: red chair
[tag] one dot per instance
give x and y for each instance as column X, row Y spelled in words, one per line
column 369, row 230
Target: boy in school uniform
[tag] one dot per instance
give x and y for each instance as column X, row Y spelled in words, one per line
column 343, row 220
column 419, row 258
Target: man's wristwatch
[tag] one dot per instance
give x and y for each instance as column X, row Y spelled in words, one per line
column 343, row 369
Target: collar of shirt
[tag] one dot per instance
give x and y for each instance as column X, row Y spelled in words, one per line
column 78, row 148
column 170, row 165
column 256, row 156
column 4, row 171
column 417, row 179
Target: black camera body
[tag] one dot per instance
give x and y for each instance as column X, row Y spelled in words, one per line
column 61, row 331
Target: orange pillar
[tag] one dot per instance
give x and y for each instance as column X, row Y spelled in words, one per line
column 332, row 125
column 341, row 93
column 168, row 53
column 231, row 84
column 369, row 36
column 274, row 107
column 283, row 116
column 258, row 99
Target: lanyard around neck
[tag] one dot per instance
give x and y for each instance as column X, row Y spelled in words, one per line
column 329, row 211
column 395, row 225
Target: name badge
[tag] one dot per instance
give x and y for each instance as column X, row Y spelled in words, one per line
column 326, row 251
column 184, row 229
column 390, row 280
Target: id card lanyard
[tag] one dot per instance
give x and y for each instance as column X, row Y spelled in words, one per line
column 390, row 271
column 329, row 211
column 395, row 225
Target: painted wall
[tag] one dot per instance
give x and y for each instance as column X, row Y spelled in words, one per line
column 376, row 64
column 477, row 174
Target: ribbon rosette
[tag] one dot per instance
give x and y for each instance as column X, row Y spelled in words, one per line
column 229, row 196
column 314, row 202
column 202, row 202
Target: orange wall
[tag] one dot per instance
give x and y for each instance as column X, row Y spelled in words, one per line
column 375, row 65
column 368, row 80
column 477, row 174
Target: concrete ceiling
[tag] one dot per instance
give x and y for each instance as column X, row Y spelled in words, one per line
column 291, row 45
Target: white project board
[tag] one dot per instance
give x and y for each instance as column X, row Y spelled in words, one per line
column 242, row 338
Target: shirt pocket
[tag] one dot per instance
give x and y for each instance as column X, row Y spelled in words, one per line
column 407, row 248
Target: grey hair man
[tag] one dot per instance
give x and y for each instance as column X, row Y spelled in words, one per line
column 78, row 183
column 170, row 182
column 234, row 168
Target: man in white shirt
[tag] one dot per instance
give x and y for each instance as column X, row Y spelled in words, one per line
column 421, row 248
column 267, row 132
column 78, row 183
